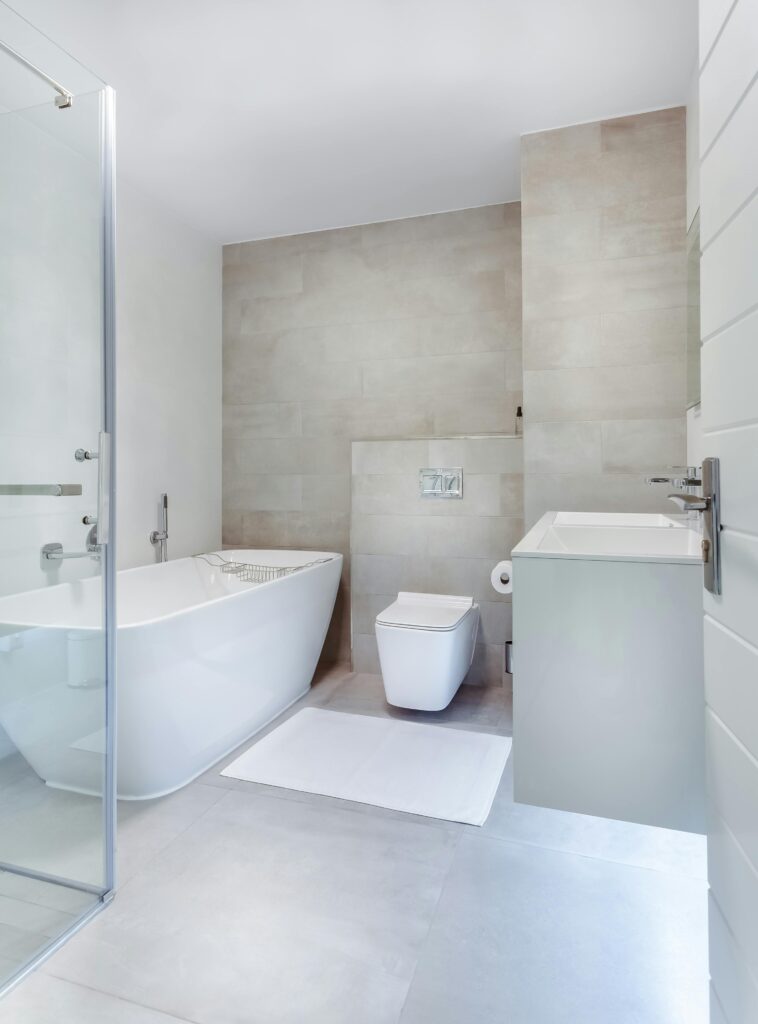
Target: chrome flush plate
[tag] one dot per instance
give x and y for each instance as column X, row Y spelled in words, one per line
column 441, row 483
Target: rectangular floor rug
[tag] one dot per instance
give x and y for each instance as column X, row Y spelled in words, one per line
column 422, row 769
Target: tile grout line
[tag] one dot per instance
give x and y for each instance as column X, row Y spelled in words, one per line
column 488, row 837
column 122, row 999
column 432, row 920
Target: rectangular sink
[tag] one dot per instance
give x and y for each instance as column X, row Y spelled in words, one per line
column 619, row 519
column 617, row 537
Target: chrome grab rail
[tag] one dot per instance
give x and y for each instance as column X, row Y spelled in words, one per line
column 54, row 490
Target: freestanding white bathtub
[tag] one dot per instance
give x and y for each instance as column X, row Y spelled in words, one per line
column 204, row 661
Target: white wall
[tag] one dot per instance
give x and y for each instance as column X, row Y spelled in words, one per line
column 729, row 291
column 168, row 381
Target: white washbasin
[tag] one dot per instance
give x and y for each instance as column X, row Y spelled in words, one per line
column 616, row 537
column 619, row 519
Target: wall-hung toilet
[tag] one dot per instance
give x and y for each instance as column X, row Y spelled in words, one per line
column 426, row 646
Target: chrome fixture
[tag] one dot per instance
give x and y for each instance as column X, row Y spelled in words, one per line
column 441, row 483
column 82, row 455
column 54, row 552
column 64, row 99
column 687, row 479
column 709, row 504
column 52, row 490
column 161, row 536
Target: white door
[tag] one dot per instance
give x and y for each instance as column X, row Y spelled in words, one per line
column 729, row 283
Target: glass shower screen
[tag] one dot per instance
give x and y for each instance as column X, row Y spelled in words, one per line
column 56, row 527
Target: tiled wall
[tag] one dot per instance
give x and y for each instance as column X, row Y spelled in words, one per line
column 604, row 261
column 400, row 329
column 401, row 541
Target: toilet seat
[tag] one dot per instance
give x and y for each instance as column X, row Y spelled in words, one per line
column 436, row 612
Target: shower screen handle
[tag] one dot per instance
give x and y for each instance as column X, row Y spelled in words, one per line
column 104, row 489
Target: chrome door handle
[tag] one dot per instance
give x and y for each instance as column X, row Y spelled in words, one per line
column 712, row 526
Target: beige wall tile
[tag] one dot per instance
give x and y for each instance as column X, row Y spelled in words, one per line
column 388, row 535
column 384, row 574
column 488, row 666
column 601, row 492
column 365, row 654
column 264, row 419
column 380, row 457
column 656, row 281
column 398, row 330
column 366, row 607
column 477, row 413
column 562, row 237
column 653, row 128
column 447, row 575
column 326, row 492
column 642, row 172
column 643, row 445
column 245, row 456
column 605, row 393
column 643, row 228
column 609, row 339
column 280, row 276
column 480, row 373
column 478, row 455
column 512, row 494
column 263, row 492
column 604, row 280
column 563, row 447
column 471, row 537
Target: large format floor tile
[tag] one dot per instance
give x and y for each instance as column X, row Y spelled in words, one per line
column 529, row 936
column 43, row 999
column 249, row 904
column 270, row 910
column 659, row 849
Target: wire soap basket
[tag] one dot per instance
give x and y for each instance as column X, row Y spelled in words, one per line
column 249, row 572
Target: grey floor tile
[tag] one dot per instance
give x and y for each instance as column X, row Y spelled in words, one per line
column 620, row 841
column 271, row 910
column 529, row 936
column 43, row 999
column 145, row 827
column 51, row 830
column 34, row 918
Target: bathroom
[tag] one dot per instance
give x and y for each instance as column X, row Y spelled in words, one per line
column 378, row 562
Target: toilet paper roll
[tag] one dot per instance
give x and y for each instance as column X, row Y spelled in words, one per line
column 502, row 578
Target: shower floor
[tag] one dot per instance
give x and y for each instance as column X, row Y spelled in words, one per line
column 241, row 903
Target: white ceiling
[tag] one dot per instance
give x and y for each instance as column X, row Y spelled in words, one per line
column 253, row 118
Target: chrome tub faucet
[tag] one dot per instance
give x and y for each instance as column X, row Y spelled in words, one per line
column 161, row 536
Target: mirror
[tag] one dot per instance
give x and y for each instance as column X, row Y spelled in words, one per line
column 693, row 312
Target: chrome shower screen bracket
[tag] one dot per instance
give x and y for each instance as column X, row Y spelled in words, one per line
column 64, row 99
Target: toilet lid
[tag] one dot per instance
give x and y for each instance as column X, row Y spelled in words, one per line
column 425, row 611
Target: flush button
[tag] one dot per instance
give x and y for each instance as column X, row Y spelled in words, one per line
column 441, row 483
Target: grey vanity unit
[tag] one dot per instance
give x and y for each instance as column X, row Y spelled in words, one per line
column 608, row 668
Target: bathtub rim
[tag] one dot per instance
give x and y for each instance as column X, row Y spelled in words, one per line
column 8, row 627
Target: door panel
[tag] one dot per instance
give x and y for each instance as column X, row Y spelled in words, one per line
column 729, row 278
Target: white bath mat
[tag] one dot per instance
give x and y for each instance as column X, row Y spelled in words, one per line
column 422, row 769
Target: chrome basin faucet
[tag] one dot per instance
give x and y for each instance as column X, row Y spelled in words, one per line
column 687, row 479
column 687, row 497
